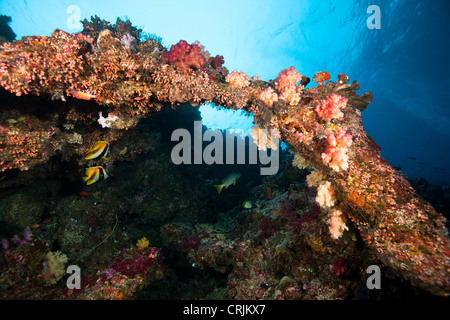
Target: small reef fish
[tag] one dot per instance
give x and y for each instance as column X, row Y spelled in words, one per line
column 13, row 121
column 95, row 174
column 84, row 95
column 84, row 193
column 247, row 204
column 99, row 149
column 227, row 181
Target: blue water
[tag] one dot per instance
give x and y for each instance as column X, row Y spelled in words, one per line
column 404, row 63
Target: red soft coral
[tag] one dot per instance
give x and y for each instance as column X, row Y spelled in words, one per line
column 217, row 61
column 184, row 56
column 340, row 267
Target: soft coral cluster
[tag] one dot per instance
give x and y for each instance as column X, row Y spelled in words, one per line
column 336, row 224
column 216, row 62
column 286, row 85
column 268, row 96
column 330, row 108
column 238, row 80
column 335, row 155
column 184, row 56
column 142, row 262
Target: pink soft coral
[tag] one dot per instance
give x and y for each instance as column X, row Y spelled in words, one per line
column 330, row 108
column 237, row 80
column 286, row 85
column 336, row 224
column 184, row 56
column 336, row 153
column 268, row 96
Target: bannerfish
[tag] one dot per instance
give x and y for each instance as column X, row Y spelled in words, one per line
column 227, row 181
column 247, row 204
column 99, row 149
column 95, row 174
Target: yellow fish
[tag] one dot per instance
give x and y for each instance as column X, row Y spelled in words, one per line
column 95, row 174
column 99, row 149
column 247, row 204
column 227, row 181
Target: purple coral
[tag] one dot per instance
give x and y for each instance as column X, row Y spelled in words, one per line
column 109, row 273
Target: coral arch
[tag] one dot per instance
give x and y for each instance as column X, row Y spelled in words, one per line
column 128, row 81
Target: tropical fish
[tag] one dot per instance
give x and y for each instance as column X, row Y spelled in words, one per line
column 227, row 181
column 95, row 174
column 247, row 204
column 99, row 149
column 83, row 95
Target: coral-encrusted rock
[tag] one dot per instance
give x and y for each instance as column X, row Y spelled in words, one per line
column 406, row 233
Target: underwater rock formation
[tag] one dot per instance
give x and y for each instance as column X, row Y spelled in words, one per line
column 94, row 71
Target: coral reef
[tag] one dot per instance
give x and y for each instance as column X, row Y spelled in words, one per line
column 304, row 238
